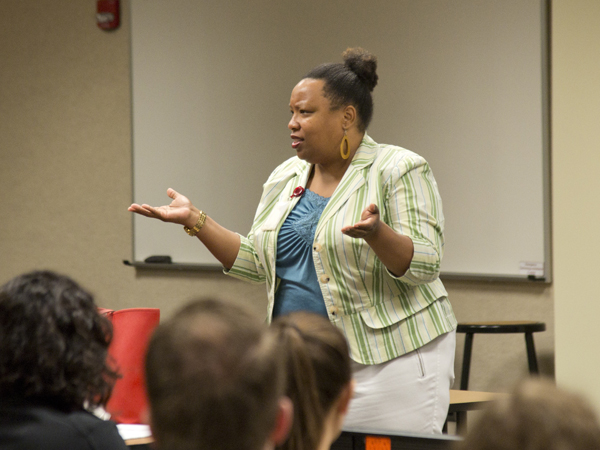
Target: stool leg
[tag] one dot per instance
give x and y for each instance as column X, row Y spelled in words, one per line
column 461, row 423
column 531, row 357
column 466, row 365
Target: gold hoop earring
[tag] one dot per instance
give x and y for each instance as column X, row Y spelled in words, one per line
column 345, row 155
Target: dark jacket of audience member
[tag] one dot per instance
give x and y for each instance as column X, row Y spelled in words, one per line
column 53, row 366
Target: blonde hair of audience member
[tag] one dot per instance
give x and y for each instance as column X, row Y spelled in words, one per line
column 216, row 381
column 319, row 378
column 536, row 416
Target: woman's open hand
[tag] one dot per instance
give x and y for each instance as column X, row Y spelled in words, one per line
column 180, row 210
column 369, row 224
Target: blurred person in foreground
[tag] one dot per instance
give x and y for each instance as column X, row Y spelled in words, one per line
column 536, row 415
column 216, row 381
column 53, row 366
column 320, row 382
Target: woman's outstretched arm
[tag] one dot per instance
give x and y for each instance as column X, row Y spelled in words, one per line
column 221, row 242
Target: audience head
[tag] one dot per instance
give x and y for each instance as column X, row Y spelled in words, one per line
column 536, row 416
column 53, row 343
column 215, row 381
column 319, row 378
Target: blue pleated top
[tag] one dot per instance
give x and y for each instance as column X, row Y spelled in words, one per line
column 299, row 287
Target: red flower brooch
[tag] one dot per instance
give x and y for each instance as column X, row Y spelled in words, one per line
column 297, row 192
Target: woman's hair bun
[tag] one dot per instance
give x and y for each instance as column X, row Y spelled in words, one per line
column 363, row 64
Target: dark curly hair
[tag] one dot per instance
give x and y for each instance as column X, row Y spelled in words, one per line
column 53, row 343
column 350, row 83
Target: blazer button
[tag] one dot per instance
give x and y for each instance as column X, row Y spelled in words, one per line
column 324, row 278
column 317, row 247
column 333, row 310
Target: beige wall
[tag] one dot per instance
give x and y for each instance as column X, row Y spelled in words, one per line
column 576, row 192
column 65, row 184
column 65, row 148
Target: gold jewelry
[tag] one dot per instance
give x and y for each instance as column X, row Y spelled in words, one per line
column 194, row 231
column 345, row 139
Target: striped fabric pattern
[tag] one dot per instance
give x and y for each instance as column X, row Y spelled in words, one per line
column 382, row 316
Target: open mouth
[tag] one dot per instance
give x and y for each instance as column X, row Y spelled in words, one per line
column 296, row 141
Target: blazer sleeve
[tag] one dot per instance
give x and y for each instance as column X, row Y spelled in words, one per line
column 247, row 265
column 414, row 209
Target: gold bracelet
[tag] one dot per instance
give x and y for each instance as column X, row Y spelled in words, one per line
column 194, row 231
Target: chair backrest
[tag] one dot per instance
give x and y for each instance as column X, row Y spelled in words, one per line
column 132, row 329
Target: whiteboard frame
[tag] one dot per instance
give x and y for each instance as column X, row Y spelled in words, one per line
column 445, row 274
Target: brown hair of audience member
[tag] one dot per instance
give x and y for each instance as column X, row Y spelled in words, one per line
column 536, row 416
column 215, row 381
column 53, row 343
column 319, row 378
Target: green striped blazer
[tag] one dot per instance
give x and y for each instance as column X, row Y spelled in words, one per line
column 382, row 316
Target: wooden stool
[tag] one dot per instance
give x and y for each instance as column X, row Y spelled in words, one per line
column 526, row 327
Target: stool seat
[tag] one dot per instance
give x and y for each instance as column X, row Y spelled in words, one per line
column 498, row 327
column 522, row 326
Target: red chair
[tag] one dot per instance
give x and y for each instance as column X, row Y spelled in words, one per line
column 132, row 329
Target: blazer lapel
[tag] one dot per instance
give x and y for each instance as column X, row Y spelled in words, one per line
column 352, row 180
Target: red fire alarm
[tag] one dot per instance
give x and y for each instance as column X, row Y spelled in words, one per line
column 107, row 14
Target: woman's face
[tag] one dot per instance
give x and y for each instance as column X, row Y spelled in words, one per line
column 317, row 131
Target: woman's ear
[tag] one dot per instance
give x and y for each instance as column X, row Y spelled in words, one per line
column 283, row 422
column 345, row 397
column 349, row 116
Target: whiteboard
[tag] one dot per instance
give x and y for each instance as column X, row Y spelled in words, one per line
column 462, row 83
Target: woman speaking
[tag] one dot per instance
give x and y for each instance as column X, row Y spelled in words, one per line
column 352, row 230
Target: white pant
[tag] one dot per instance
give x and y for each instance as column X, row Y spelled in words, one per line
column 410, row 393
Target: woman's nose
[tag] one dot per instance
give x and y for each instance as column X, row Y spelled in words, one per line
column 293, row 124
